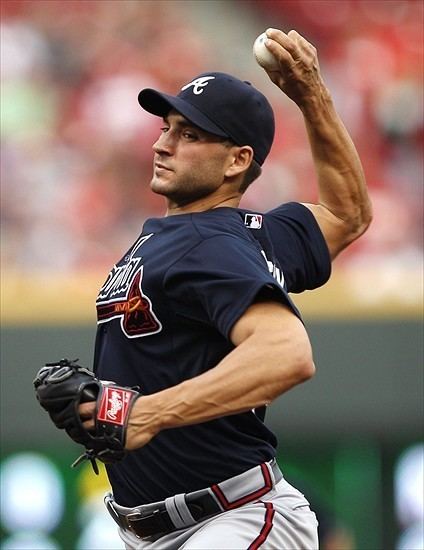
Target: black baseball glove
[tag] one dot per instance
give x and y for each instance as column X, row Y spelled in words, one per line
column 61, row 387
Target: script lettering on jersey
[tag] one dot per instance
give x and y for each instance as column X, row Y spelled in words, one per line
column 121, row 297
column 274, row 270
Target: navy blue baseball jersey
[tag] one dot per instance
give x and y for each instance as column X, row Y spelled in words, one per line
column 165, row 313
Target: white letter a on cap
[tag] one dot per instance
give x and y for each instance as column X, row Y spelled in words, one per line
column 198, row 84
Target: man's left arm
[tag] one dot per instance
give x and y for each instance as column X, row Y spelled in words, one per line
column 344, row 210
column 272, row 354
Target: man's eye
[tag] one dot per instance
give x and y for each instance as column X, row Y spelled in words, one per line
column 188, row 134
column 164, row 129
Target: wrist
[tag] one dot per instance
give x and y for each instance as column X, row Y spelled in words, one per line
column 144, row 422
column 316, row 105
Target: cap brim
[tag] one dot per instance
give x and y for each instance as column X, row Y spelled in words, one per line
column 160, row 104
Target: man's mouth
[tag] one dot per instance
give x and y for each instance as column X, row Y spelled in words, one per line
column 160, row 166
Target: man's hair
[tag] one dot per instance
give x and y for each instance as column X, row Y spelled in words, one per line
column 251, row 174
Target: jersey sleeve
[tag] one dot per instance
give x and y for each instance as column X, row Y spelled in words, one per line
column 300, row 247
column 218, row 279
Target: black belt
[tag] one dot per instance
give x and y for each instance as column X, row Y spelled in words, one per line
column 184, row 510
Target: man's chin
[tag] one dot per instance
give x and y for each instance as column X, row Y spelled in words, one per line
column 160, row 188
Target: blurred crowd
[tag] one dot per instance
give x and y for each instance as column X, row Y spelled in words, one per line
column 76, row 153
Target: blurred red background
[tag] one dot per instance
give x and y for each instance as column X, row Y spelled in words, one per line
column 76, row 148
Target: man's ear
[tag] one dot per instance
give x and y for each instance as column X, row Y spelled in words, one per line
column 240, row 160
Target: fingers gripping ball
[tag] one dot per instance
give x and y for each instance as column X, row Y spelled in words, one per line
column 61, row 387
column 263, row 56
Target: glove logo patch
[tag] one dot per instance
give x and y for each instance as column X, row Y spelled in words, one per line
column 114, row 406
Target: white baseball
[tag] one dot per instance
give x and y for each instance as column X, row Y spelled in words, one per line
column 263, row 56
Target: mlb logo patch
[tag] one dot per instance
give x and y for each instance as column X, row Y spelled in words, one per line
column 253, row 221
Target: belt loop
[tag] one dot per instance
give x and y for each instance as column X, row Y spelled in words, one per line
column 275, row 471
column 184, row 511
column 178, row 511
column 270, row 465
column 109, row 500
column 173, row 512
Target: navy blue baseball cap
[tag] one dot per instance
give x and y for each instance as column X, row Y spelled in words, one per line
column 223, row 105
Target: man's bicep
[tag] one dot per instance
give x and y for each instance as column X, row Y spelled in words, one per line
column 265, row 317
column 335, row 231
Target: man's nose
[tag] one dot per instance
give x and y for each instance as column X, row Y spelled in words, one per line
column 164, row 144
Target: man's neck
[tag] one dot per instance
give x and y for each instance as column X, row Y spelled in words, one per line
column 202, row 205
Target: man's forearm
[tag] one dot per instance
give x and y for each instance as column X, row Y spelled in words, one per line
column 268, row 362
column 344, row 210
column 246, row 380
column 341, row 180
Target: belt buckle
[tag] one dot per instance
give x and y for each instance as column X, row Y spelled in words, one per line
column 133, row 516
column 136, row 515
column 138, row 521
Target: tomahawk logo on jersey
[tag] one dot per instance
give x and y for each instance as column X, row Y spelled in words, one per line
column 121, row 297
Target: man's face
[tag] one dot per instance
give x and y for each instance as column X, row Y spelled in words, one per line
column 188, row 164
